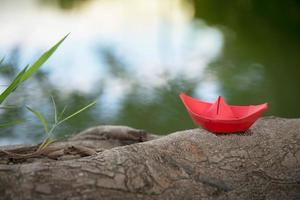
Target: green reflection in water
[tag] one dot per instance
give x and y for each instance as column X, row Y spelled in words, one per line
column 155, row 109
column 260, row 60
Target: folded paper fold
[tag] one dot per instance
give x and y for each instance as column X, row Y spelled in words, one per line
column 219, row 117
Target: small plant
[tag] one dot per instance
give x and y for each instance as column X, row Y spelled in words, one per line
column 28, row 71
column 21, row 77
column 58, row 120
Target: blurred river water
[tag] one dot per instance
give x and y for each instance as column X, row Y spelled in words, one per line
column 135, row 56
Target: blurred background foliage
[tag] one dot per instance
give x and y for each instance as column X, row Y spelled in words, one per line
column 257, row 61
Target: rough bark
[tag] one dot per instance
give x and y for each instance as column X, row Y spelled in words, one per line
column 124, row 163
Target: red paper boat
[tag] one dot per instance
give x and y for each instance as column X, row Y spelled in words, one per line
column 220, row 117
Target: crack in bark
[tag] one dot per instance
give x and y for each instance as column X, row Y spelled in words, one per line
column 265, row 176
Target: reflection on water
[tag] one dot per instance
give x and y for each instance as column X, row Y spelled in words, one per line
column 136, row 56
column 260, row 59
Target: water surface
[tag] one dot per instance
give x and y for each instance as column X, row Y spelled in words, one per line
column 135, row 56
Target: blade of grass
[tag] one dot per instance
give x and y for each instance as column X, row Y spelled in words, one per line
column 6, row 107
column 12, row 123
column 42, row 60
column 62, row 112
column 77, row 112
column 1, row 61
column 28, row 72
column 15, row 83
column 40, row 117
column 55, row 110
column 45, row 143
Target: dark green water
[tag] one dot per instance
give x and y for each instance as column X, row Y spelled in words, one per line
column 258, row 62
column 261, row 55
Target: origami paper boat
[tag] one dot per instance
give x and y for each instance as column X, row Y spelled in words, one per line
column 219, row 117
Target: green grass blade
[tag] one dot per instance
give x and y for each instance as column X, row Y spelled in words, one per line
column 45, row 143
column 7, row 107
column 42, row 60
column 1, row 61
column 12, row 123
column 28, row 72
column 40, row 117
column 14, row 84
column 62, row 112
column 55, row 110
column 77, row 112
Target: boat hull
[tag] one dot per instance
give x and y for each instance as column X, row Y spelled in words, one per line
column 235, row 126
column 245, row 116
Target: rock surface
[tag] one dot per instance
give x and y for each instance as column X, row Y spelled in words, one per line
column 126, row 163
